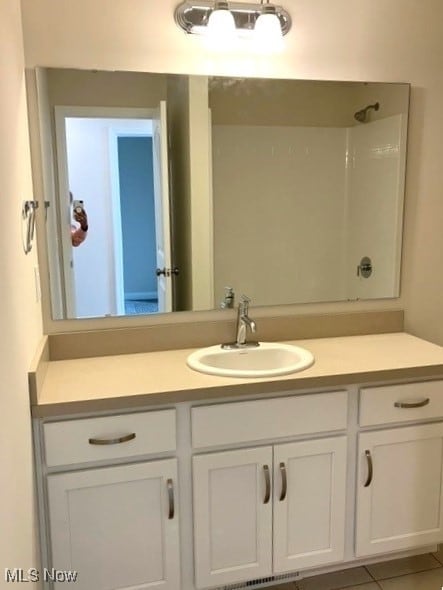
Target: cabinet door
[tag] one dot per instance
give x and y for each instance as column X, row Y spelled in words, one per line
column 309, row 503
column 232, row 516
column 399, row 504
column 117, row 526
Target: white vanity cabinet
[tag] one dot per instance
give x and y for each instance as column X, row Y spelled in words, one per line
column 117, row 526
column 232, row 516
column 113, row 515
column 269, row 510
column 400, row 479
column 258, row 490
column 265, row 511
column 399, row 498
column 309, row 503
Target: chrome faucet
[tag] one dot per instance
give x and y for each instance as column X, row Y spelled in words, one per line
column 244, row 323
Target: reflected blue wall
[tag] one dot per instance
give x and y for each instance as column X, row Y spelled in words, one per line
column 137, row 214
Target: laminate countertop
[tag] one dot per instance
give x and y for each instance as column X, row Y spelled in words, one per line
column 135, row 380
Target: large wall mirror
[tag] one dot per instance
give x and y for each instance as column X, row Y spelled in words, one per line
column 290, row 191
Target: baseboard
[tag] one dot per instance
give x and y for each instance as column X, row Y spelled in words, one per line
column 141, row 296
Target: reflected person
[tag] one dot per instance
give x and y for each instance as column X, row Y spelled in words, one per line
column 78, row 234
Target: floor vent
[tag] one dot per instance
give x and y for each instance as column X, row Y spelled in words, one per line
column 261, row 582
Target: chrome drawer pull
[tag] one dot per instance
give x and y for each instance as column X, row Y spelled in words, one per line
column 420, row 404
column 268, row 484
column 284, row 482
column 170, row 486
column 370, row 469
column 112, row 441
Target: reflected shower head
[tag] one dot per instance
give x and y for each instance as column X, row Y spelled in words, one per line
column 362, row 116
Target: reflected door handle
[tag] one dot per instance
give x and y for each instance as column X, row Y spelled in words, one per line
column 365, row 267
column 167, row 272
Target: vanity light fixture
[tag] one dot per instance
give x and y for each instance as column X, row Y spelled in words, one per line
column 267, row 21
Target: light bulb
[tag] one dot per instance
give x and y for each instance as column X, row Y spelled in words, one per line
column 221, row 22
column 267, row 31
column 221, row 31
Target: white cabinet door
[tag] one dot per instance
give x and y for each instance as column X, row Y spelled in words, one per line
column 309, row 503
column 232, row 516
column 399, row 505
column 115, row 526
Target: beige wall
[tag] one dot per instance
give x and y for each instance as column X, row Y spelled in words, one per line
column 19, row 313
column 392, row 98
column 283, row 102
column 397, row 41
column 301, row 102
column 201, row 191
column 105, row 89
column 180, row 178
column 190, row 165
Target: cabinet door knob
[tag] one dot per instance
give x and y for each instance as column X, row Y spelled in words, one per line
column 170, row 487
column 284, row 482
column 420, row 404
column 370, row 468
column 268, row 484
column 112, row 441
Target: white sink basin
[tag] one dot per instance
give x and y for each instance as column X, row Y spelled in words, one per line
column 270, row 359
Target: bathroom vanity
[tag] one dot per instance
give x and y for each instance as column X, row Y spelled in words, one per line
column 153, row 475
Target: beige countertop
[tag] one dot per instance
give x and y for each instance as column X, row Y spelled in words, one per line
column 131, row 380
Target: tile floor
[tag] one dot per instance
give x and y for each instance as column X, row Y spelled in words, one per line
column 141, row 307
column 421, row 572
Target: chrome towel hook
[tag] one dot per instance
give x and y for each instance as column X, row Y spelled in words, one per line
column 28, row 224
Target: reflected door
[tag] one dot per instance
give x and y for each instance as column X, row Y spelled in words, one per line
column 161, row 199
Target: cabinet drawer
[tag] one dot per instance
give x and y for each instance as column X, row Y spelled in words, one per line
column 110, row 437
column 401, row 403
column 239, row 422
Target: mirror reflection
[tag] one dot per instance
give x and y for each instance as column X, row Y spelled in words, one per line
column 195, row 189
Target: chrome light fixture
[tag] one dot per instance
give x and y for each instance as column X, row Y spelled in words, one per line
column 197, row 16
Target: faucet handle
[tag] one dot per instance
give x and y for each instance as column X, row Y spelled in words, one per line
column 243, row 305
column 228, row 299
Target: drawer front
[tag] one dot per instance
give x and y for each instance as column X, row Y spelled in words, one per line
column 109, row 437
column 401, row 403
column 239, row 422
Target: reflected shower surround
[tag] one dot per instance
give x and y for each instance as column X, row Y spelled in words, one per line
column 347, row 180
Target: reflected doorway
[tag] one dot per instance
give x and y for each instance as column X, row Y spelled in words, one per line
column 111, row 165
column 136, row 192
